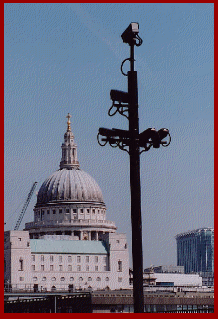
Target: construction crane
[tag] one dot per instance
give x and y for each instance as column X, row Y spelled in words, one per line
column 25, row 207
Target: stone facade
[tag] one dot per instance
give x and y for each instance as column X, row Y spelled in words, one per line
column 70, row 244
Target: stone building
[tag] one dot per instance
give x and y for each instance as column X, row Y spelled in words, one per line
column 70, row 244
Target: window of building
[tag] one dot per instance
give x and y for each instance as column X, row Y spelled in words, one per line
column 69, row 259
column 96, row 259
column 96, row 268
column 53, row 279
column 62, row 278
column 117, row 241
column 93, row 211
column 42, row 267
column 43, row 278
column 51, row 258
column 42, row 257
column 89, row 278
column 33, row 257
column 78, row 268
column 80, row 278
column 54, row 211
column 19, row 239
column 107, row 279
column 34, row 278
column 87, row 268
column 69, row 268
column 79, row 259
column 21, row 264
column 104, row 259
column 125, row 246
column 33, row 267
column 51, row 267
column 81, row 211
column 74, row 211
column 87, row 211
column 119, row 265
column 67, row 211
column 98, row 279
column 60, row 267
column 28, row 244
column 60, row 259
column 71, row 278
column 48, row 212
column 87, row 259
column 21, row 278
column 60, row 211
column 120, row 279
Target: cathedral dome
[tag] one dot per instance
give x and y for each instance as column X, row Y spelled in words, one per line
column 69, row 183
column 72, row 185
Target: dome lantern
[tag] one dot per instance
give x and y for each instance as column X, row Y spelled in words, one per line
column 69, row 149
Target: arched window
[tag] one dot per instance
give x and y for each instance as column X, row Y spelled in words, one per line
column 98, row 279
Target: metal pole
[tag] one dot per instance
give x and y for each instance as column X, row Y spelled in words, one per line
column 135, row 187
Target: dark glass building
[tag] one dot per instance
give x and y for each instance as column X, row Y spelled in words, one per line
column 195, row 250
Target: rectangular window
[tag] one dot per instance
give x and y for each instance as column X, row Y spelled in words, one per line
column 104, row 259
column 69, row 267
column 87, row 268
column 60, row 259
column 54, row 212
column 96, row 259
column 87, row 259
column 60, row 211
column 61, row 267
column 42, row 257
column 33, row 267
column 79, row 259
column 67, row 211
column 69, row 259
column 21, row 264
column 74, row 211
column 51, row 267
column 119, row 265
column 78, row 268
column 42, row 267
column 120, row 279
column 87, row 211
column 96, row 268
column 48, row 212
column 51, row 258
column 33, row 257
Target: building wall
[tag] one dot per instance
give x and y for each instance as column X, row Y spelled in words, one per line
column 179, row 280
column 195, row 250
column 82, row 270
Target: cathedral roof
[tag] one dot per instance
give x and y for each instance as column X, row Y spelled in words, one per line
column 69, row 183
column 67, row 246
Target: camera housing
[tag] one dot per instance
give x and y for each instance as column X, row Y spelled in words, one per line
column 131, row 31
column 119, row 96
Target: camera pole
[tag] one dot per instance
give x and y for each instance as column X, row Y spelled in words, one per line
column 135, row 188
column 131, row 141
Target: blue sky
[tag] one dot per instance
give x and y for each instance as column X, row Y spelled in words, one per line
column 64, row 57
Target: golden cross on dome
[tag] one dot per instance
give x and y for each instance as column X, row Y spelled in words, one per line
column 68, row 122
